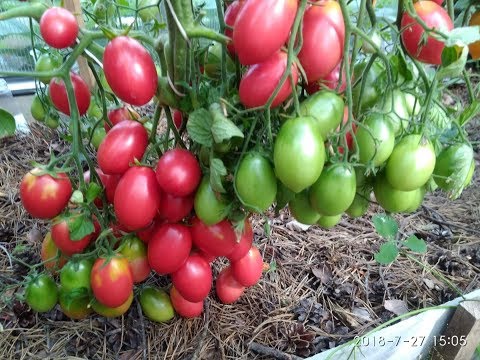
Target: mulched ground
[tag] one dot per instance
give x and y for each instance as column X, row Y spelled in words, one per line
column 323, row 287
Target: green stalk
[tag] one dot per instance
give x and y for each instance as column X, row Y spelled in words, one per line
column 450, row 8
column 34, row 11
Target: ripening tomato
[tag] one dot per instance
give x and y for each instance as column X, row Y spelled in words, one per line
column 227, row 287
column 331, row 81
column 58, row 27
column 261, row 28
column 41, row 293
column 260, row 81
column 136, row 198
column 109, row 182
column 174, row 208
column 474, row 48
column 111, row 280
column 76, row 274
column 156, row 304
column 298, row 153
column 375, row 139
column 124, row 143
column 323, row 38
column 218, row 239
column 334, row 190
column 119, row 114
column 135, row 251
column 44, row 196
column 194, row 278
column 110, row 312
column 74, row 305
column 49, row 253
column 169, row 248
column 130, row 70
column 230, row 16
column 183, row 307
column 177, row 118
column 434, row 16
column 244, row 244
column 302, row 210
column 58, row 94
column 248, row 270
column 411, row 163
column 61, row 238
column 178, row 172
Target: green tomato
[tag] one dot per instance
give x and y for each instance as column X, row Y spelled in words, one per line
column 209, row 206
column 74, row 305
column 375, row 139
column 75, row 274
column 103, row 10
column 98, row 135
column 301, row 209
column 360, row 204
column 326, row 107
column 396, row 108
column 411, row 163
column 389, row 198
column 328, row 222
column 298, row 153
column 47, row 62
column 417, row 201
column 156, row 304
column 41, row 294
column 94, row 110
column 148, row 13
column 213, row 62
column 370, row 93
column 255, row 182
column 52, row 121
column 37, row 110
column 454, row 167
column 334, row 190
column 413, row 104
column 377, row 40
column 109, row 312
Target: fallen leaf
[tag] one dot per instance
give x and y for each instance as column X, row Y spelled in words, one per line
column 362, row 313
column 324, row 274
column 398, row 307
column 429, row 283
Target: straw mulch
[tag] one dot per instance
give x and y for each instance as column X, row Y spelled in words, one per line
column 323, row 287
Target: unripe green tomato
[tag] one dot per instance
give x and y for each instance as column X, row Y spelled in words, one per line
column 377, row 40
column 47, row 62
column 209, row 207
column 328, row 222
column 360, row 204
column 301, row 209
column 213, row 62
column 148, row 13
column 98, row 135
column 42, row 294
column 94, row 110
column 37, row 110
column 156, row 304
column 396, row 109
column 52, row 121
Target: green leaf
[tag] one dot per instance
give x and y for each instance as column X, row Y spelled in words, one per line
column 452, row 65
column 7, row 124
column 387, row 254
column 93, row 191
column 79, row 227
column 463, row 35
column 386, row 226
column 222, row 127
column 217, row 172
column 415, row 244
column 469, row 112
column 438, row 121
column 199, row 127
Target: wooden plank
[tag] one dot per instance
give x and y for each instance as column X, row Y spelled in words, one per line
column 74, row 7
column 462, row 334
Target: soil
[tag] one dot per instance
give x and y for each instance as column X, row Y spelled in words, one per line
column 323, row 287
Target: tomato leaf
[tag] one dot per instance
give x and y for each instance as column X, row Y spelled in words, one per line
column 386, row 226
column 79, row 227
column 387, row 254
column 469, row 112
column 7, row 123
column 463, row 35
column 400, row 68
column 199, row 127
column 217, row 172
column 222, row 127
column 415, row 244
column 93, row 191
column 461, row 171
column 453, row 63
column 438, row 121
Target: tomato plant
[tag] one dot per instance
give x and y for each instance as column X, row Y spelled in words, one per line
column 111, row 312
column 41, row 293
column 75, row 306
column 174, row 208
column 135, row 252
column 228, row 289
column 218, row 239
column 184, row 307
column 195, row 270
column 248, row 270
column 76, row 274
column 119, row 114
column 156, row 304
column 58, row 27
column 63, row 240
column 209, row 206
column 59, row 97
column 47, row 62
column 301, row 209
column 241, row 247
column 51, row 256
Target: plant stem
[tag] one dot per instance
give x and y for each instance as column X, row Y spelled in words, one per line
column 450, row 9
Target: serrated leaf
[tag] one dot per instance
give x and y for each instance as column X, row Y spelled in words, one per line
column 93, row 191
column 199, row 127
column 438, row 121
column 7, row 124
column 387, row 254
column 452, row 68
column 386, row 226
column 79, row 227
column 415, row 244
column 463, row 35
column 217, row 172
column 469, row 113
column 222, row 127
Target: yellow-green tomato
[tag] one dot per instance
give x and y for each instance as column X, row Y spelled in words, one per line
column 37, row 109
column 328, row 222
column 156, row 304
column 301, row 209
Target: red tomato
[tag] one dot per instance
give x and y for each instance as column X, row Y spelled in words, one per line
column 241, row 248
column 130, row 70
column 261, row 28
column 330, row 81
column 49, row 253
column 227, row 287
column 260, row 81
column 118, row 115
column 248, row 270
column 434, row 16
column 178, row 172
column 194, row 278
column 136, row 198
column 58, row 94
column 58, row 27
column 135, row 251
column 210, row 258
column 174, row 208
column 109, row 183
column 323, row 38
column 43, row 196
column 183, row 307
column 61, row 238
column 169, row 247
column 348, row 135
column 112, row 281
column 230, row 16
column 146, row 233
column 124, row 143
column 218, row 239
column 177, row 118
